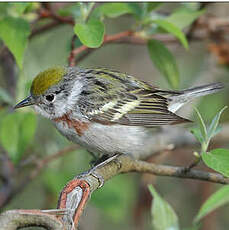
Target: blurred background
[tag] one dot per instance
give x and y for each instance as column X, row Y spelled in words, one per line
column 124, row 202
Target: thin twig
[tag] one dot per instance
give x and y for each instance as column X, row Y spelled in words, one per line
column 126, row 37
column 93, row 6
column 49, row 13
column 44, row 28
column 107, row 39
column 44, row 162
column 8, row 192
column 71, row 61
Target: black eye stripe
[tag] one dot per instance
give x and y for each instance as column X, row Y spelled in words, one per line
column 57, row 92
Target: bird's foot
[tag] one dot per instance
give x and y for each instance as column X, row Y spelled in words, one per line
column 92, row 171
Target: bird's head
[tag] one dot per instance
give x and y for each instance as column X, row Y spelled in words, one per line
column 53, row 92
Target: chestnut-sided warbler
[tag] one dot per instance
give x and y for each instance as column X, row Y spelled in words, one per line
column 106, row 111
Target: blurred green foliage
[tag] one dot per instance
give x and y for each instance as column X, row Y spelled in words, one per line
column 90, row 31
column 11, row 28
column 23, row 135
column 164, row 61
column 91, row 34
column 163, row 216
column 16, row 133
column 216, row 200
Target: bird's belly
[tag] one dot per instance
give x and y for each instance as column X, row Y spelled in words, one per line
column 109, row 139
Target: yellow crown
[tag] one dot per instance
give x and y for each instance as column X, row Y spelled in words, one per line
column 46, row 79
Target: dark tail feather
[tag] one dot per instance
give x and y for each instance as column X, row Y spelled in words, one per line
column 187, row 95
column 202, row 90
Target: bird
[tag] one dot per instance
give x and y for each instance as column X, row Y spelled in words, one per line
column 106, row 111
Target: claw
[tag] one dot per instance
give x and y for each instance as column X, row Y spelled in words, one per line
column 92, row 172
column 118, row 162
column 99, row 178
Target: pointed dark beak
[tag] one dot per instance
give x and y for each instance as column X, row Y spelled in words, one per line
column 26, row 102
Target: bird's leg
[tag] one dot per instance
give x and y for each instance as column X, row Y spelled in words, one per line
column 94, row 158
column 98, row 160
column 105, row 159
column 101, row 164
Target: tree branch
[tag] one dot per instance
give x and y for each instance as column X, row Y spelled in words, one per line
column 122, row 164
column 15, row 219
column 125, row 164
column 77, row 192
column 203, row 28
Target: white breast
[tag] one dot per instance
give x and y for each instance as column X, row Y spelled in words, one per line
column 110, row 139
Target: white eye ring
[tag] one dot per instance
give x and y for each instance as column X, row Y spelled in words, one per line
column 50, row 97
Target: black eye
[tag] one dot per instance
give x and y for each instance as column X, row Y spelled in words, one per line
column 49, row 97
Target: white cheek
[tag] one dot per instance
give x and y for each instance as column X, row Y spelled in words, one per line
column 73, row 97
column 41, row 111
column 60, row 108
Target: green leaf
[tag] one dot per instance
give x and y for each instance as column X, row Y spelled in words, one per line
column 116, row 9
column 202, row 125
column 169, row 27
column 91, row 33
column 218, row 199
column 164, row 61
column 163, row 216
column 218, row 130
column 217, row 159
column 16, row 133
column 212, row 130
column 197, row 134
column 184, row 17
column 14, row 32
column 28, row 124
column 9, row 135
column 20, row 7
column 4, row 9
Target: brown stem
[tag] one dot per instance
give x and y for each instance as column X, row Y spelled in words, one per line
column 126, row 37
column 44, row 28
column 49, row 13
column 8, row 192
column 71, row 55
column 107, row 39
